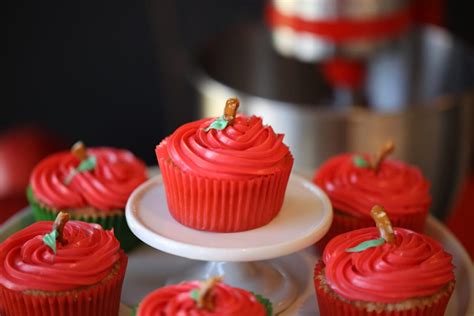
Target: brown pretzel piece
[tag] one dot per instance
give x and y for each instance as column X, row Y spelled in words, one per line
column 79, row 150
column 230, row 110
column 205, row 300
column 383, row 223
column 386, row 150
column 58, row 225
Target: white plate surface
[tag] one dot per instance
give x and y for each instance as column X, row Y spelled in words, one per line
column 305, row 217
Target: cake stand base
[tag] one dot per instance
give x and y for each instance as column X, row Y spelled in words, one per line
column 252, row 259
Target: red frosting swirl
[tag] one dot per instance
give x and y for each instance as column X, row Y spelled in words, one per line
column 176, row 300
column 27, row 263
column 117, row 173
column 244, row 149
column 415, row 266
column 400, row 188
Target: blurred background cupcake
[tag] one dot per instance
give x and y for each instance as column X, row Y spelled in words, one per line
column 92, row 185
column 356, row 182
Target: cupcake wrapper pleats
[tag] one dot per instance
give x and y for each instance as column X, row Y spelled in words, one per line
column 222, row 205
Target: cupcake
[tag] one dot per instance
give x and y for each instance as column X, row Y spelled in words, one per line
column 92, row 185
column 61, row 268
column 210, row 297
column 354, row 183
column 383, row 272
column 225, row 175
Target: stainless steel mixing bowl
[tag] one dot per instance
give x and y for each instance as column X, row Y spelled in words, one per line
column 418, row 94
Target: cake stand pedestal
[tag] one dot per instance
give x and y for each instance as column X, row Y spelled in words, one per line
column 305, row 217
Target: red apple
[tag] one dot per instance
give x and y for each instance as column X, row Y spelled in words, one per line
column 21, row 148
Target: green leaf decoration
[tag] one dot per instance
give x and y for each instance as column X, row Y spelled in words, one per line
column 50, row 240
column 219, row 124
column 265, row 302
column 367, row 244
column 194, row 294
column 360, row 162
column 85, row 165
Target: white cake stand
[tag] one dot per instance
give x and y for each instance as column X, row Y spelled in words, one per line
column 305, row 217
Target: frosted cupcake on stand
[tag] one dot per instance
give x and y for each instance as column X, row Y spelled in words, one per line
column 225, row 174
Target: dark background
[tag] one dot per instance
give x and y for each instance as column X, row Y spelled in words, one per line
column 106, row 71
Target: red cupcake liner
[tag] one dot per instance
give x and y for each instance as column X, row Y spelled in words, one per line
column 98, row 300
column 346, row 223
column 223, row 205
column 330, row 305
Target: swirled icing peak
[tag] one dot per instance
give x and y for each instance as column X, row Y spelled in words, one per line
column 86, row 258
column 177, row 300
column 116, row 174
column 414, row 266
column 354, row 189
column 243, row 149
